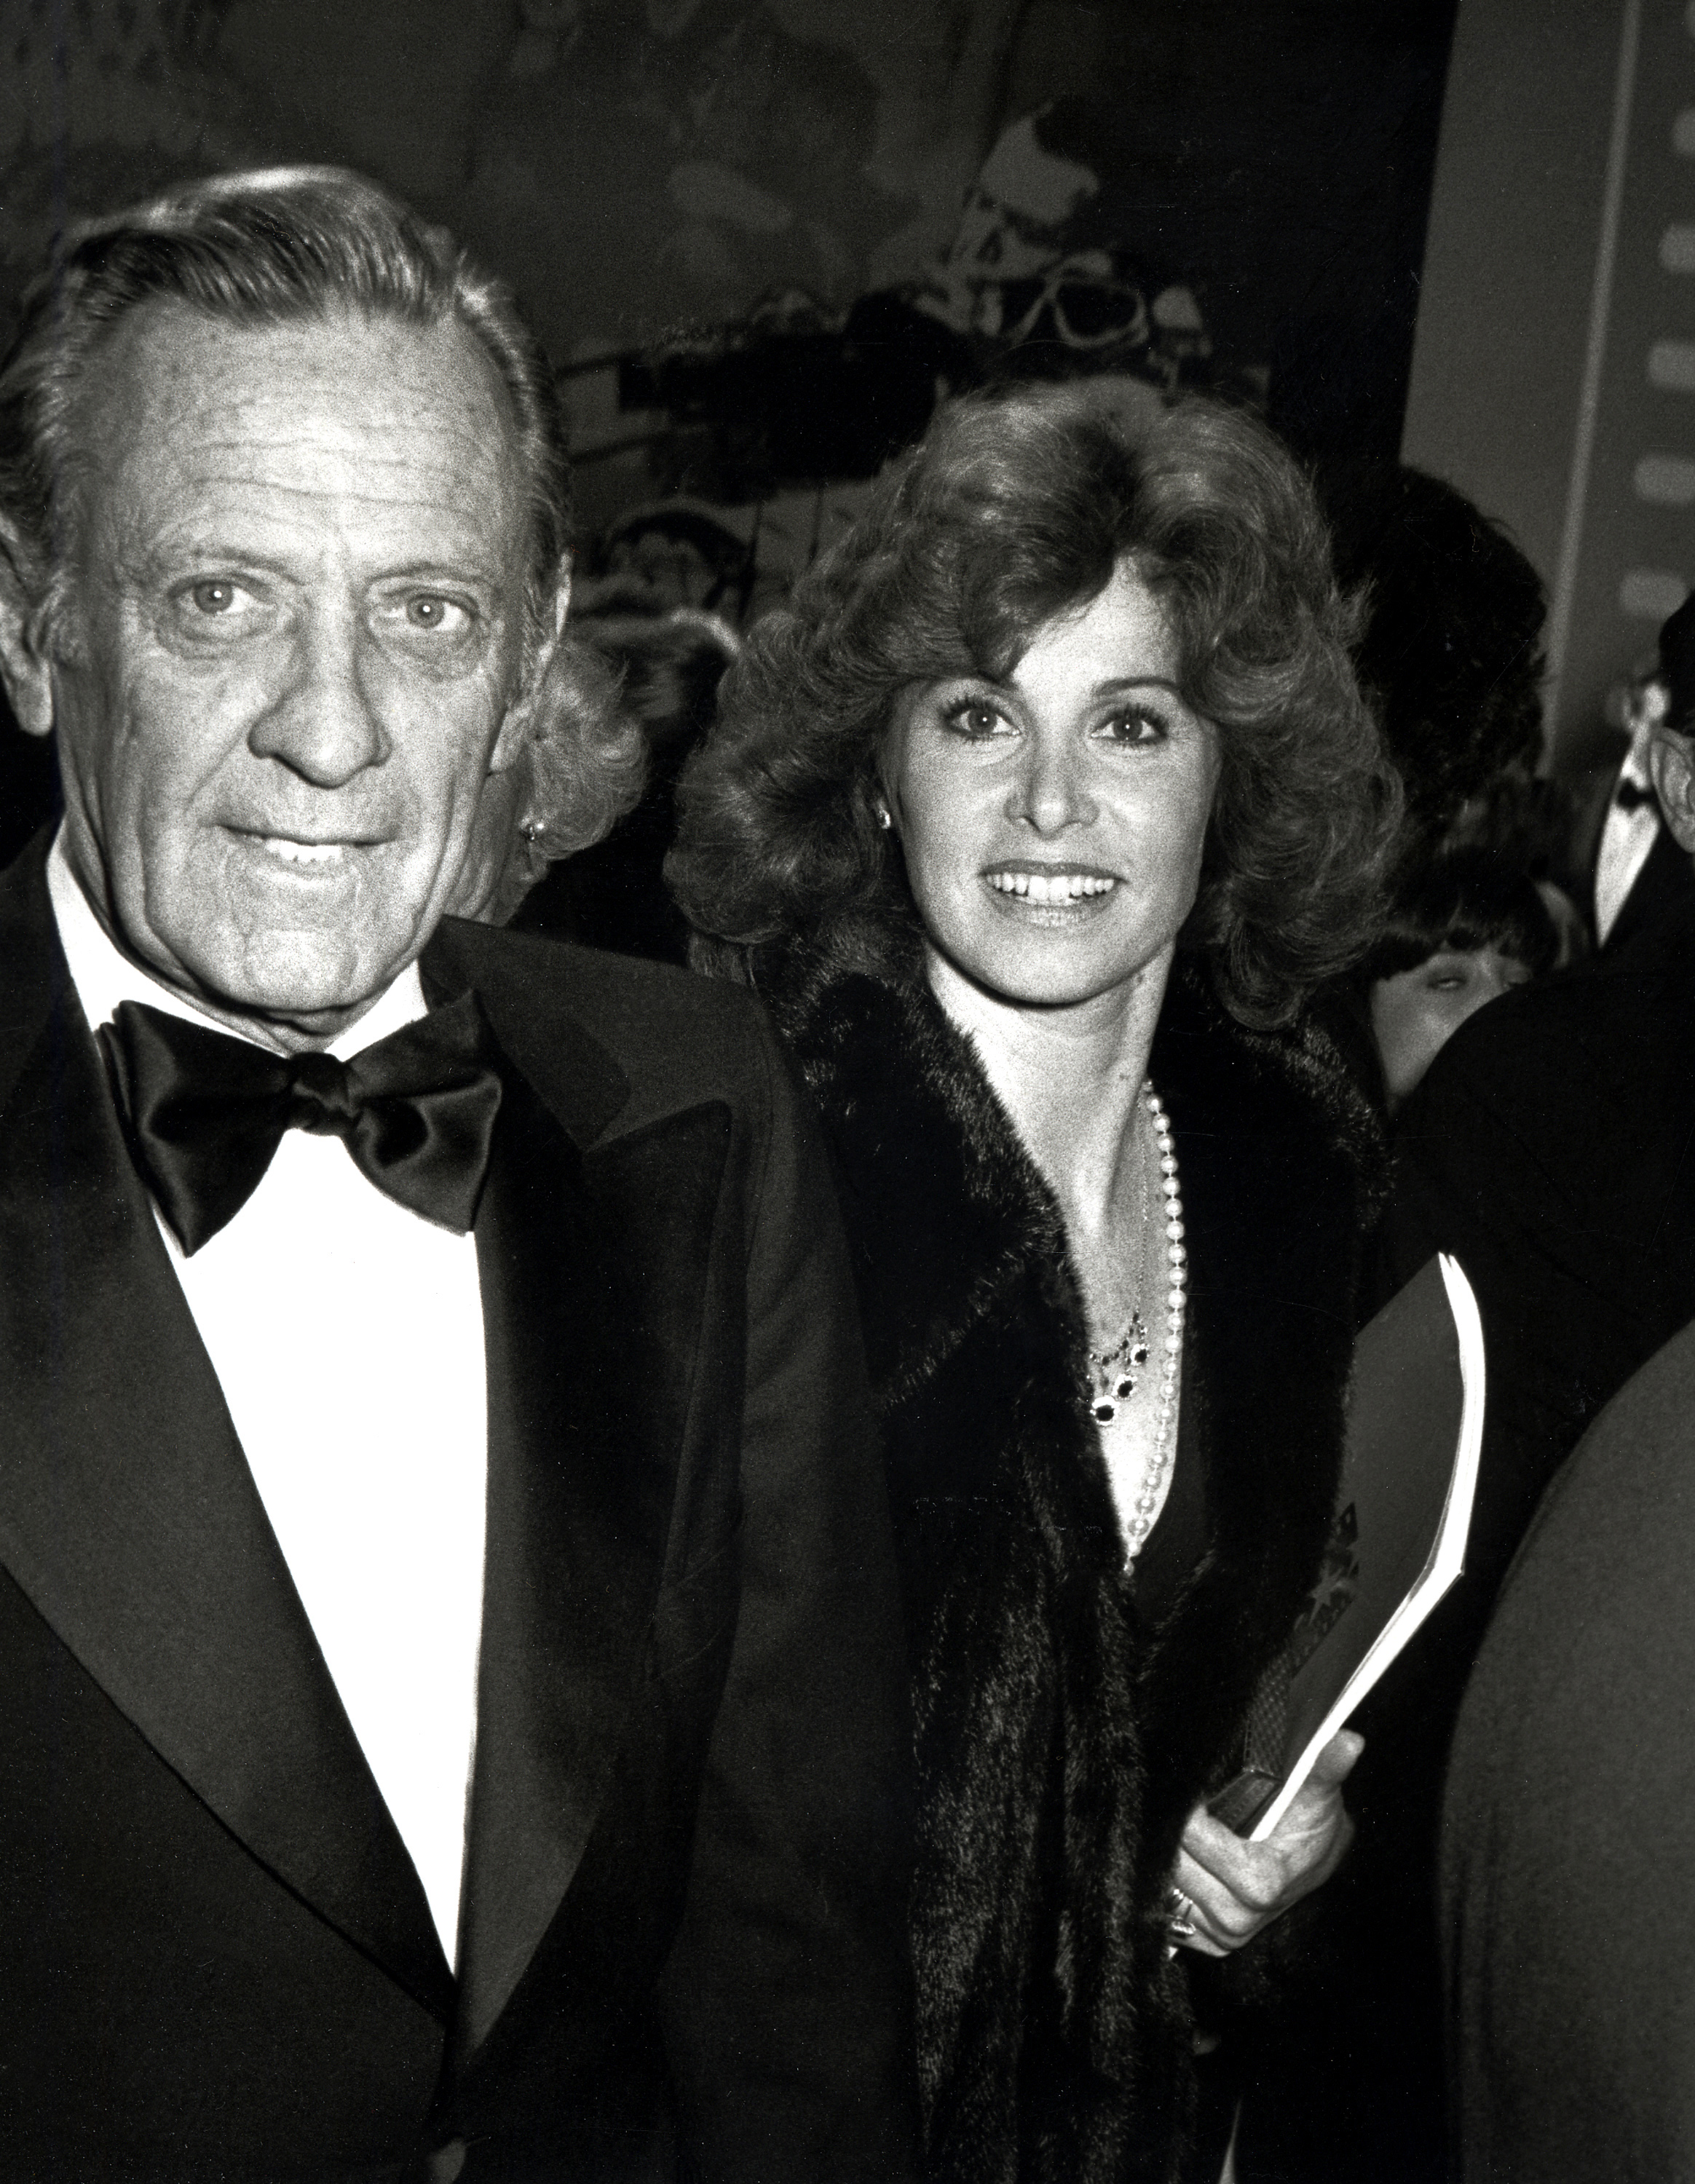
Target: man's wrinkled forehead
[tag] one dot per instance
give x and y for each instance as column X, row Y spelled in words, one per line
column 185, row 422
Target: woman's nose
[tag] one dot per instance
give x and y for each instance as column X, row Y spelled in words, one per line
column 1051, row 792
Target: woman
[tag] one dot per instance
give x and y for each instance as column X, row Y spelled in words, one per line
column 1071, row 694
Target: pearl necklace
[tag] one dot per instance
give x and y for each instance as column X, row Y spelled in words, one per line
column 1113, row 1373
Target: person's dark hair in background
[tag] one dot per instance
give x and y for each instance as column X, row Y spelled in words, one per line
column 1451, row 650
column 1452, row 657
column 1465, row 927
column 1463, row 901
column 611, row 895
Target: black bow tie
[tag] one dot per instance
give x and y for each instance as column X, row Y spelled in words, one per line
column 206, row 1113
column 1629, row 796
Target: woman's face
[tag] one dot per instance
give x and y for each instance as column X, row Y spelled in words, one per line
column 1414, row 1014
column 1053, row 823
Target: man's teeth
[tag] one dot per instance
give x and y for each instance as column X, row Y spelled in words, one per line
column 304, row 853
column 1050, row 887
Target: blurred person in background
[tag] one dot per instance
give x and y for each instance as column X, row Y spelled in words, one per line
column 1451, row 652
column 1548, row 1150
column 611, row 893
column 1637, row 870
column 1465, row 928
column 1451, row 655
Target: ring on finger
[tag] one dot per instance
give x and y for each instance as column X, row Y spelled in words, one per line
column 1181, row 1925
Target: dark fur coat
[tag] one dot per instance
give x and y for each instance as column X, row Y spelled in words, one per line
column 1063, row 1740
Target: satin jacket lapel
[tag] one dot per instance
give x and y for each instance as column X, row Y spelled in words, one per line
column 127, row 1512
column 592, row 1269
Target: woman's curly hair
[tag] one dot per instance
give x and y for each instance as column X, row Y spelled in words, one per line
column 581, row 770
column 1014, row 509
column 589, row 753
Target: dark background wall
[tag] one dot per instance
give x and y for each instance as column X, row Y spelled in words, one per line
column 1554, row 372
column 642, row 168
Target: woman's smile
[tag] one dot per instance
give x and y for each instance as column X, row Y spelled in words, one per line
column 1050, row 897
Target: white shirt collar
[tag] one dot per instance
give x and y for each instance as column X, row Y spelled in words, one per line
column 1635, row 768
column 104, row 975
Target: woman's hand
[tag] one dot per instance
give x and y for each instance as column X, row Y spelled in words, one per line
column 1234, row 1888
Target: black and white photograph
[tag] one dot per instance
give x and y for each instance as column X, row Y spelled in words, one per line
column 847, row 1091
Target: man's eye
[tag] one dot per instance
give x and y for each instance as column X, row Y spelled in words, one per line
column 430, row 611
column 214, row 595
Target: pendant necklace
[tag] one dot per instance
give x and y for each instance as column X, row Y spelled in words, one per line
column 1116, row 1373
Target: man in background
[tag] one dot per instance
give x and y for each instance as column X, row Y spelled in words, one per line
column 1552, row 1150
column 1640, row 871
column 450, row 1672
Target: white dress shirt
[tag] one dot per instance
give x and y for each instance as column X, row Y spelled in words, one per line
column 346, row 1332
column 1627, row 840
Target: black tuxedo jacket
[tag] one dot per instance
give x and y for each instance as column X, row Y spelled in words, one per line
column 1552, row 1149
column 682, row 1949
column 1664, row 885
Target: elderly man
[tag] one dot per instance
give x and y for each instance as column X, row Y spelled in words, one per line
column 450, row 1667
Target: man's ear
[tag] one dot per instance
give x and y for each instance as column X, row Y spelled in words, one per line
column 1671, row 768
column 517, row 727
column 24, row 669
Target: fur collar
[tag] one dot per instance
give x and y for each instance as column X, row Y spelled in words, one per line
column 1282, row 1165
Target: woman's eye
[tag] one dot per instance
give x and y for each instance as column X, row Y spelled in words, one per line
column 1136, row 727
column 974, row 719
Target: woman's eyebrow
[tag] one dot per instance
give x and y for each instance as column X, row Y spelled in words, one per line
column 1113, row 683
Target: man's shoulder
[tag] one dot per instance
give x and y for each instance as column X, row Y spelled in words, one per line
column 1560, row 1113
column 1622, row 1030
column 27, row 951
column 677, row 1038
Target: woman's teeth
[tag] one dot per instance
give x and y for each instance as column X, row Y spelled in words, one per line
column 1050, row 887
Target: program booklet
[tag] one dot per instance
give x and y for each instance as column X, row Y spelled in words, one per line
column 1409, row 1476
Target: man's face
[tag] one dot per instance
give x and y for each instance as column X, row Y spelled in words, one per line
column 296, row 632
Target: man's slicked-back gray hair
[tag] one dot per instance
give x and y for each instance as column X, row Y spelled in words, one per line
column 261, row 249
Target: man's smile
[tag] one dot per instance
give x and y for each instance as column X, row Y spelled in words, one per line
column 304, row 853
